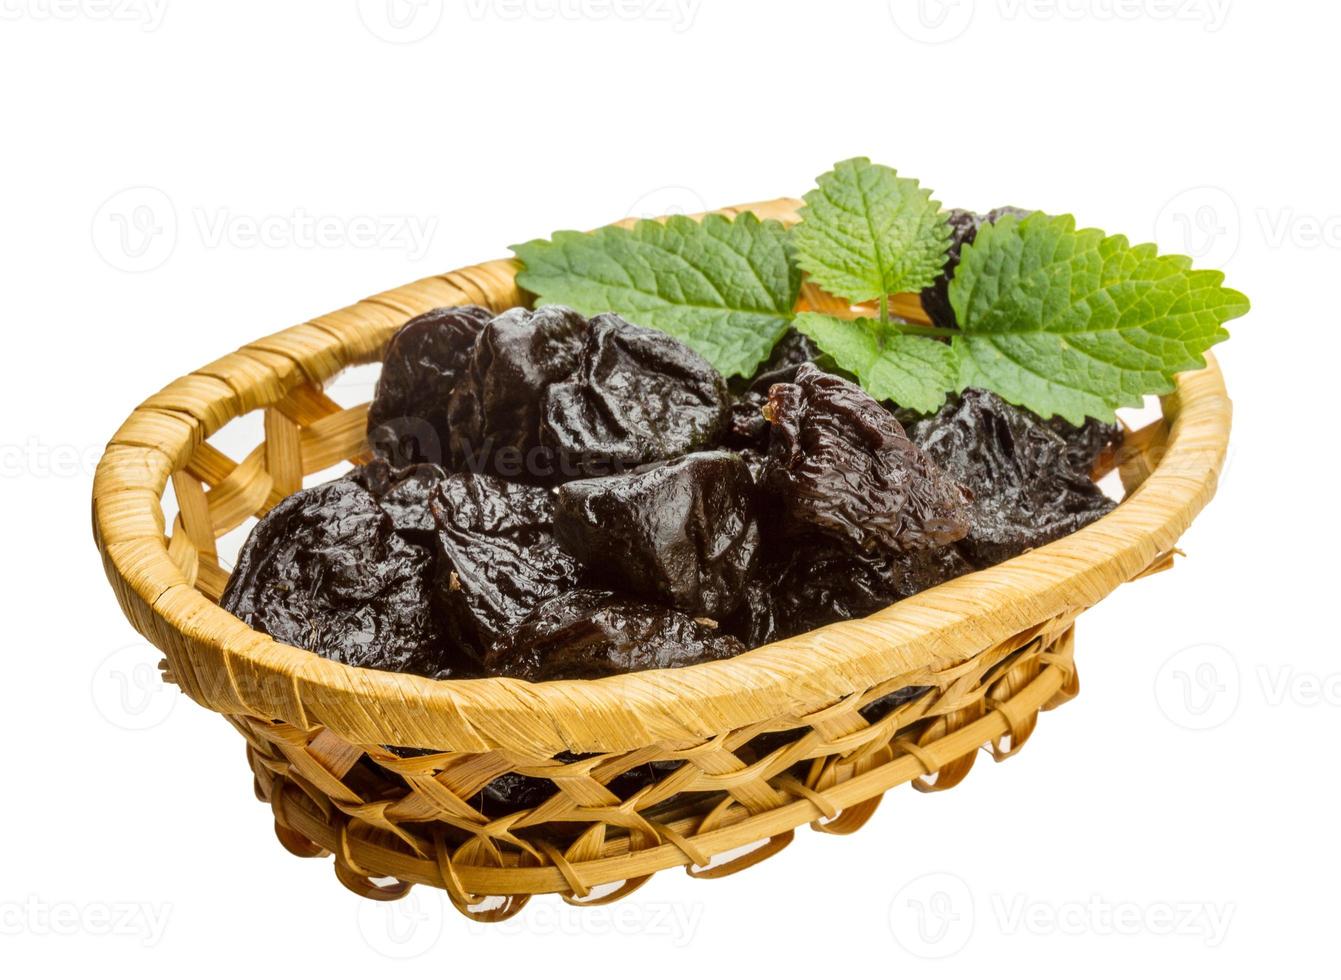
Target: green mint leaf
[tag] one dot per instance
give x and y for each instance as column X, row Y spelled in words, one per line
column 914, row 372
column 1076, row 323
column 867, row 233
column 726, row 288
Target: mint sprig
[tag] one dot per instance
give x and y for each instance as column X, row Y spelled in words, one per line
column 726, row 288
column 1063, row 322
column 1077, row 323
column 867, row 233
column 911, row 371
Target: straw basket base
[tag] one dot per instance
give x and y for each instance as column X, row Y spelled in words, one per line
column 333, row 798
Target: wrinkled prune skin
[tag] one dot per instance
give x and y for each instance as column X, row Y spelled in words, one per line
column 324, row 570
column 683, row 533
column 754, row 460
column 497, row 558
column 407, row 420
column 551, row 396
column 746, row 426
column 495, row 411
column 638, row 395
column 1026, row 491
column 586, row 633
column 964, row 227
column 840, row 464
column 789, row 353
column 1090, row 446
column 403, row 494
column 819, row 582
column 918, row 571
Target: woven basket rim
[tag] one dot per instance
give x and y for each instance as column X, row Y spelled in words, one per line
column 252, row 674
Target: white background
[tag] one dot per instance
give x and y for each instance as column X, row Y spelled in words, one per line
column 1180, row 814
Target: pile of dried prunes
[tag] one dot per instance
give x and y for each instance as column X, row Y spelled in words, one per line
column 555, row 497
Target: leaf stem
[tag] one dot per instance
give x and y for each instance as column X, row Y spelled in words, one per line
column 884, row 309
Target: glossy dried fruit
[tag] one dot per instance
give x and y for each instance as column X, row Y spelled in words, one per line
column 404, row 494
column 497, row 558
column 586, row 633
column 1026, row 490
column 746, row 426
column 496, row 410
column 964, row 227
column 1091, row 446
column 551, row 396
column 821, row 582
column 324, row 570
column 683, row 533
column 638, row 395
column 840, row 464
column 407, row 420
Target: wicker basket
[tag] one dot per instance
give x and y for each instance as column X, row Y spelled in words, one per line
column 992, row 649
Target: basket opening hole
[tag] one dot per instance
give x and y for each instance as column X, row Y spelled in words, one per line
column 170, row 506
column 231, row 543
column 598, row 892
column 490, row 903
column 385, row 881
column 354, row 385
column 328, row 474
column 725, row 857
column 237, row 437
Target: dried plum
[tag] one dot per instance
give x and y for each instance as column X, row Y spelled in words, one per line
column 789, row 353
column 964, row 227
column 586, row 633
column 683, row 533
column 404, row 494
column 407, row 420
column 918, row 571
column 496, row 409
column 638, row 395
column 325, row 571
column 551, row 396
column 840, row 464
column 821, row 582
column 813, row 586
column 1090, row 446
column 746, row 426
column 1026, row 490
column 497, row 558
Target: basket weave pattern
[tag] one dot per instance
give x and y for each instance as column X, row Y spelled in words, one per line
column 749, row 748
